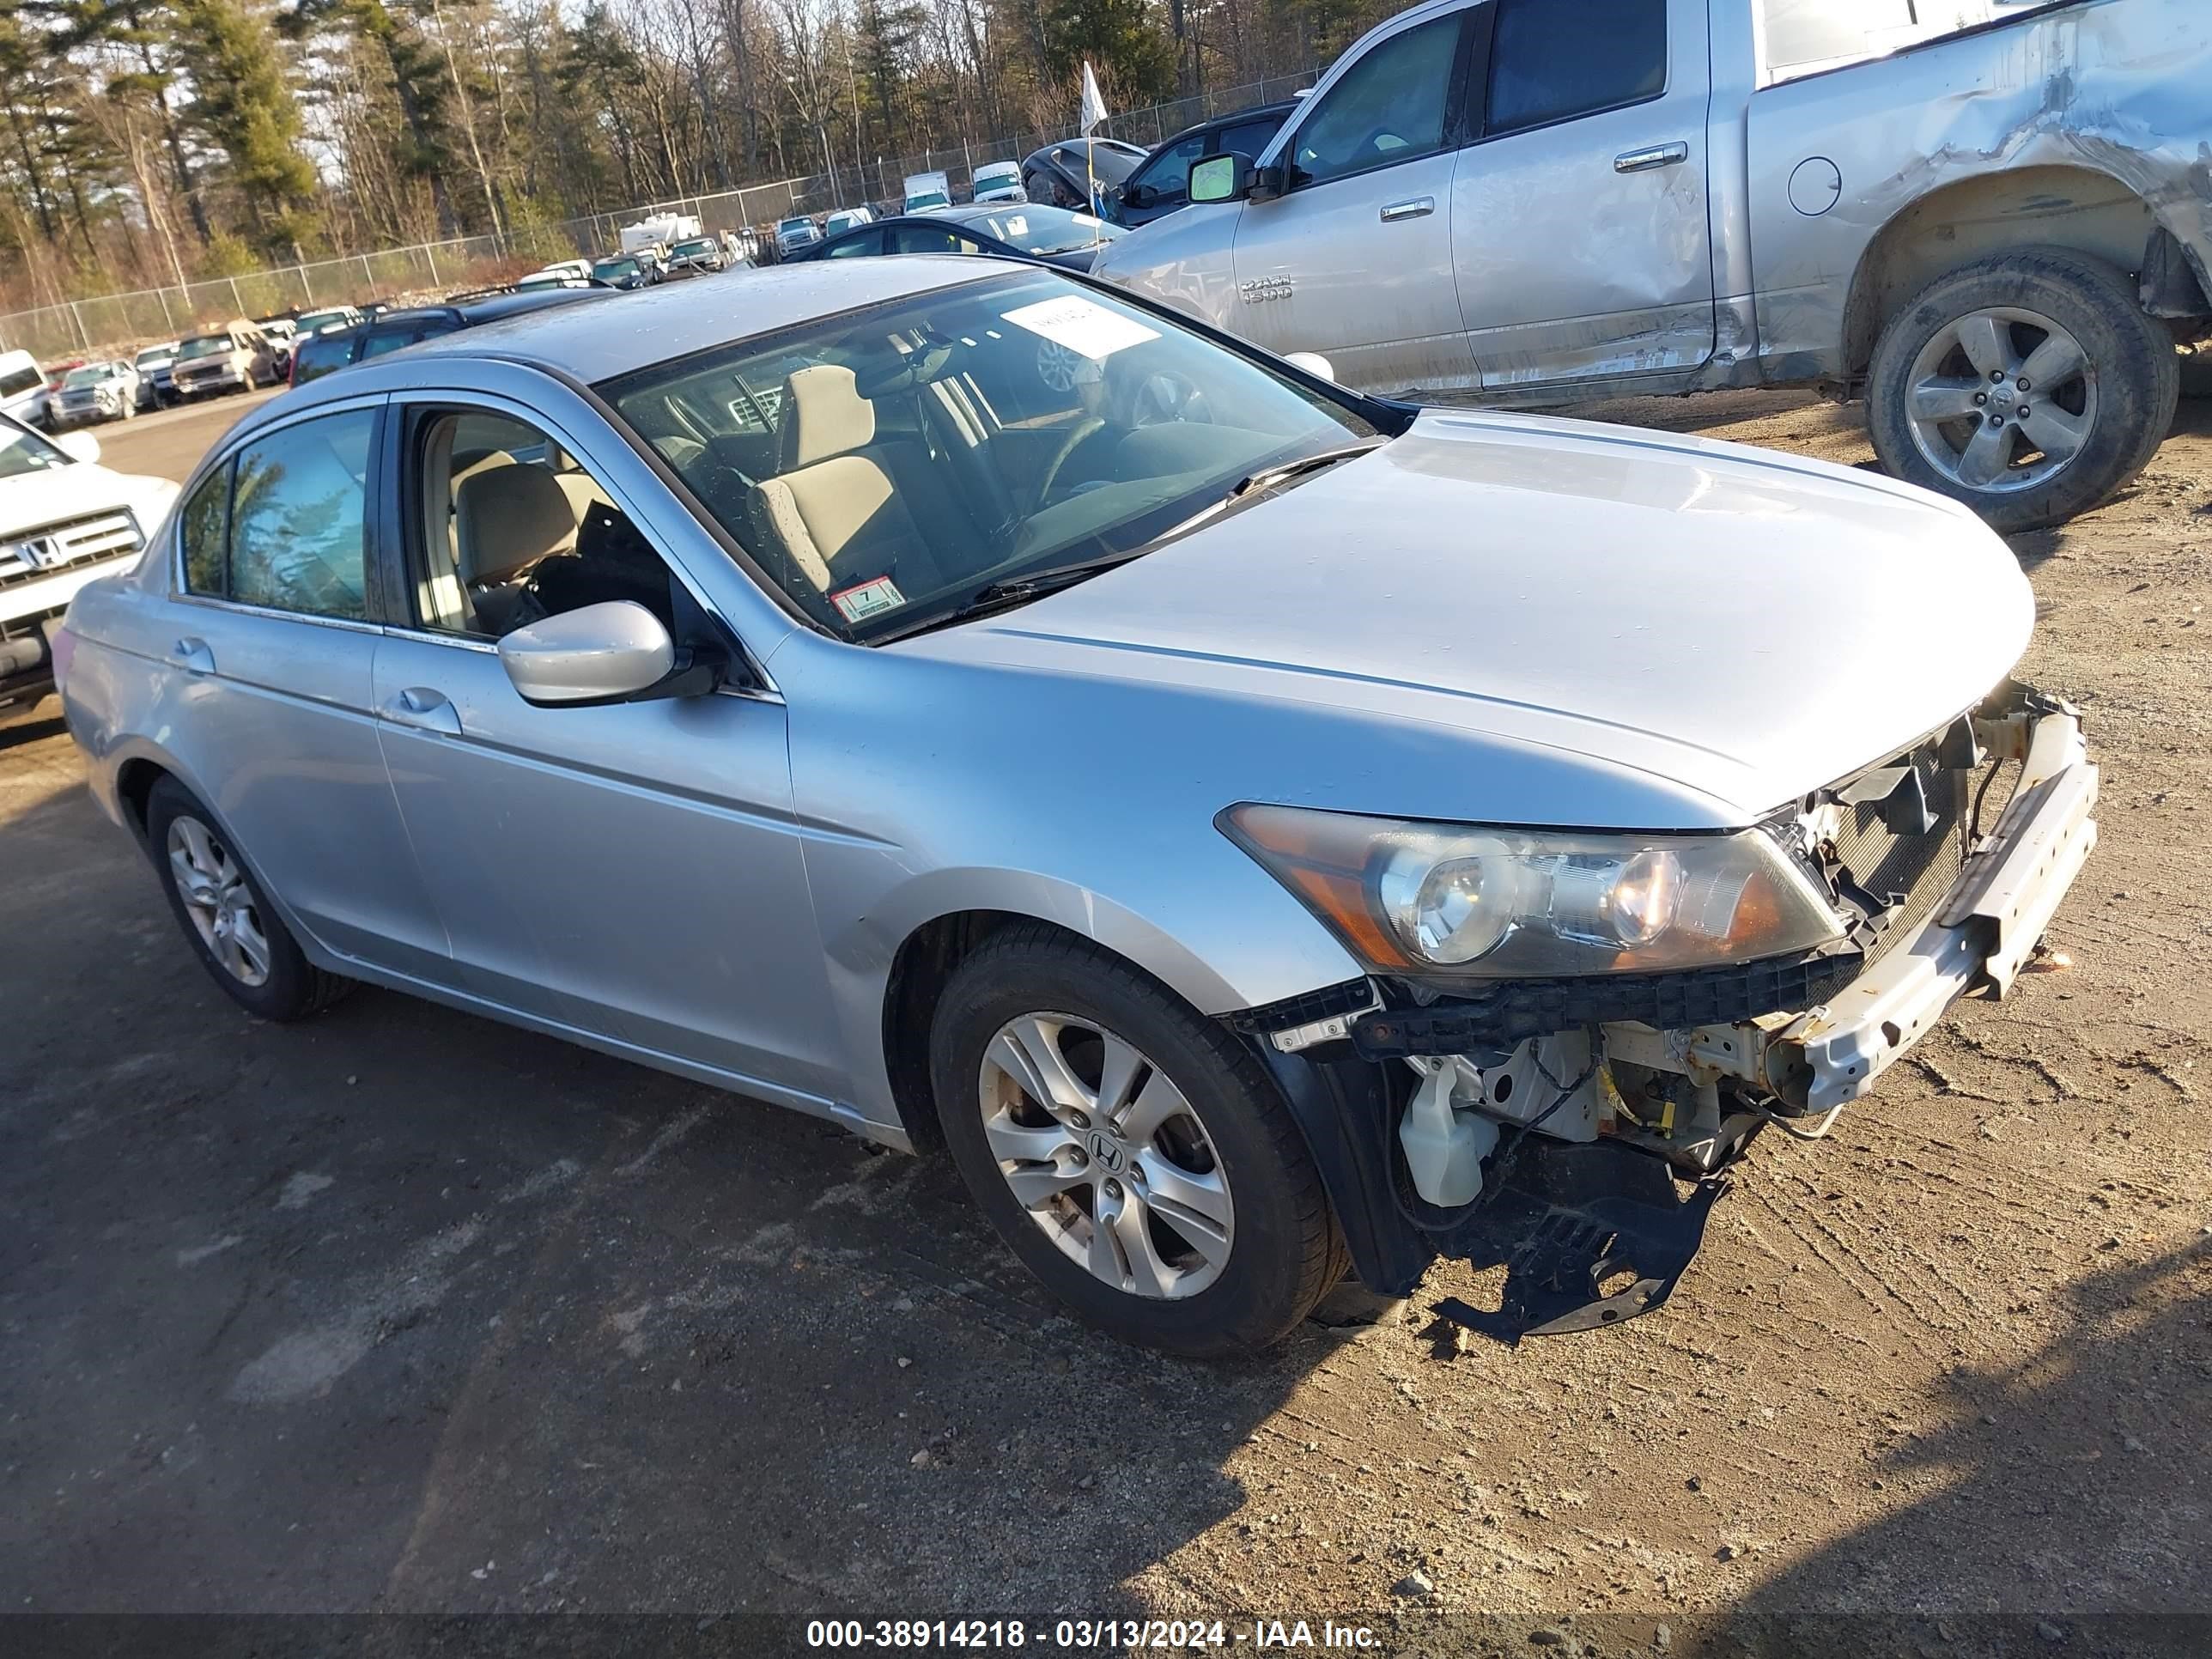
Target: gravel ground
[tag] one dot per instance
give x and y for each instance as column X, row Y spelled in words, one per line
column 401, row 1310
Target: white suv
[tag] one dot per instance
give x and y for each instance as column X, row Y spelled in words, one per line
column 64, row 519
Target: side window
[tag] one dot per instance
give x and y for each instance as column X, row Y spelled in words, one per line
column 1551, row 60
column 1250, row 139
column 205, row 526
column 297, row 540
column 511, row 529
column 867, row 241
column 928, row 239
column 1393, row 105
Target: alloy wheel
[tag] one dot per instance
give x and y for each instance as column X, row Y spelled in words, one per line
column 218, row 900
column 2001, row 399
column 1107, row 1156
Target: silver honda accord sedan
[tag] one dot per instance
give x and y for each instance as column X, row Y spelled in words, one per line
column 1261, row 833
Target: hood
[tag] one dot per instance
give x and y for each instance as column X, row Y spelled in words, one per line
column 1745, row 625
column 74, row 491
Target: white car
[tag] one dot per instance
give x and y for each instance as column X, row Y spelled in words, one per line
column 845, row 219
column 64, row 519
column 93, row 393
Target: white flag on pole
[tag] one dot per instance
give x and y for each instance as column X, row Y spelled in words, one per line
column 1094, row 104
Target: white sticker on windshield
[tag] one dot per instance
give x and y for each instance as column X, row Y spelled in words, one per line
column 1016, row 225
column 865, row 599
column 1082, row 326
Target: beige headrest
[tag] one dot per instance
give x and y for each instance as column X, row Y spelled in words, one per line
column 823, row 415
column 509, row 518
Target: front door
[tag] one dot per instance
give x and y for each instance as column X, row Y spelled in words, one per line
column 632, row 870
column 1354, row 259
column 1578, row 216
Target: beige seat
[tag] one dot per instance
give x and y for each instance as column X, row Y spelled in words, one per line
column 508, row 519
column 825, row 495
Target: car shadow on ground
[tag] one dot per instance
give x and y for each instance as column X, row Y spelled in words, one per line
column 399, row 1309
column 2110, row 1518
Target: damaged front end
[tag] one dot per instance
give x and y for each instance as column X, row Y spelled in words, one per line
column 1576, row 1130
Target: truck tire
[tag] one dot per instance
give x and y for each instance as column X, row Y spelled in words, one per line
column 2030, row 386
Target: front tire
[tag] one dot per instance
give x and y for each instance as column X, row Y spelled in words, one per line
column 226, row 918
column 2031, row 386
column 1128, row 1151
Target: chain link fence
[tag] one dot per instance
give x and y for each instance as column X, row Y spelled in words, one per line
column 116, row 322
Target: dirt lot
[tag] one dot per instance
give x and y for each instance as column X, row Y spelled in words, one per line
column 402, row 1310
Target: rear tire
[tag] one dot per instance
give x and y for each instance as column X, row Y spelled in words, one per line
column 1988, row 321
column 226, row 917
column 1218, row 1239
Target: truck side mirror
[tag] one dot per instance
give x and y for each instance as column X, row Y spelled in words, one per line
column 1224, row 177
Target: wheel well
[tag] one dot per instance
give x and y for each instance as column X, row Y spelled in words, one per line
column 133, row 784
column 2068, row 207
column 919, row 970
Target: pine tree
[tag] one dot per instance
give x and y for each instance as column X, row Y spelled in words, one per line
column 244, row 103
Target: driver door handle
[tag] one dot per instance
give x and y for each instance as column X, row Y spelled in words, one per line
column 1413, row 207
column 1643, row 160
column 193, row 656
column 425, row 709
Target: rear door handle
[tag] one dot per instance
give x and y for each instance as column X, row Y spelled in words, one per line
column 425, row 709
column 193, row 656
column 1413, row 207
column 1643, row 160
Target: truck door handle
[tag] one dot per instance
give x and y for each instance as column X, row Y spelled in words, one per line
column 193, row 656
column 425, row 709
column 1413, row 207
column 1643, row 160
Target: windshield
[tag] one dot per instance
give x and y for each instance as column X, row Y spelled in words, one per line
column 319, row 319
column 155, row 356
column 613, row 271
column 319, row 357
column 884, row 465
column 790, row 225
column 927, row 198
column 90, row 374
column 1035, row 229
column 1109, row 164
column 992, row 173
column 204, row 345
column 23, row 451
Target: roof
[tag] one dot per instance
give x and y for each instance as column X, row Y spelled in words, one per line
column 634, row 331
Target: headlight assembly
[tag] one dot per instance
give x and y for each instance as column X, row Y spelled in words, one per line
column 1445, row 901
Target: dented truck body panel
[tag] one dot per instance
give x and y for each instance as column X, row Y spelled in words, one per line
column 1824, row 196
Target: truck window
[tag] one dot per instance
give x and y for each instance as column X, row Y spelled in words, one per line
column 1551, row 60
column 1391, row 106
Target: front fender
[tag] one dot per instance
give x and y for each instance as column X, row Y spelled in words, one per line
column 1184, row 259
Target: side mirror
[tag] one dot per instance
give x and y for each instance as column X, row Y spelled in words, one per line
column 613, row 652
column 1226, row 177
column 1313, row 362
column 78, row 445
column 1135, row 196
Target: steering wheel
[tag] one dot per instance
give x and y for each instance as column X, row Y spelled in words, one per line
column 1088, row 427
column 1160, row 398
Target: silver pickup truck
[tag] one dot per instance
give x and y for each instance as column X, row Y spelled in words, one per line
column 1992, row 221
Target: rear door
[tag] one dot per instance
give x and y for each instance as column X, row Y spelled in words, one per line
column 272, row 629
column 1578, row 219
column 1354, row 259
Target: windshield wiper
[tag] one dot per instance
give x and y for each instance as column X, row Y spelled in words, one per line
column 1268, row 477
column 1019, row 590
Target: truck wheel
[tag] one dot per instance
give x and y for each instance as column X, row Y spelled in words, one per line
column 237, row 935
column 2030, row 387
column 1130, row 1152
